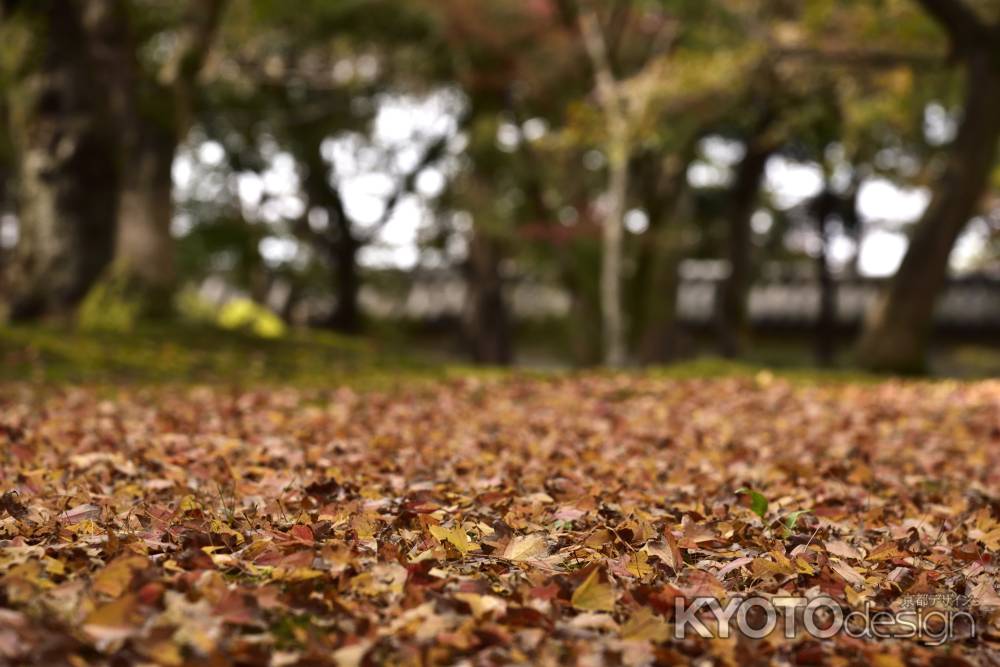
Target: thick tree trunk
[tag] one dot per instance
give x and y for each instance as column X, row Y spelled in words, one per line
column 153, row 113
column 654, row 283
column 660, row 336
column 67, row 170
column 346, row 316
column 486, row 321
column 658, row 342
column 338, row 241
column 731, row 305
column 898, row 325
column 144, row 249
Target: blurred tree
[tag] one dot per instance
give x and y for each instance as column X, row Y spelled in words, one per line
column 101, row 95
column 897, row 329
column 618, row 151
column 63, row 136
column 731, row 305
column 152, row 56
column 294, row 80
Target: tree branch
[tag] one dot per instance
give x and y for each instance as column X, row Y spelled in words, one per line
column 181, row 72
column 874, row 58
column 961, row 23
column 431, row 154
column 597, row 51
column 194, row 43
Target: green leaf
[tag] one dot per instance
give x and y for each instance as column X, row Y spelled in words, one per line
column 793, row 518
column 758, row 503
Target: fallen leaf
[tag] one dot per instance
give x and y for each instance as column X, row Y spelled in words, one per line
column 594, row 595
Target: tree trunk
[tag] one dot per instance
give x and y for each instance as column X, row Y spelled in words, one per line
column 658, row 342
column 899, row 323
column 653, row 285
column 153, row 113
column 731, row 305
column 612, row 314
column 338, row 241
column 661, row 338
column 67, row 171
column 486, row 320
column 144, row 250
column 346, row 316
column 618, row 148
column 826, row 318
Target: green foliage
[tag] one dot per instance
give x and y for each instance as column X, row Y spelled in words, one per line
column 110, row 306
column 793, row 518
column 758, row 503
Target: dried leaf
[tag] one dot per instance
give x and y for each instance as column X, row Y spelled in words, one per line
column 594, row 595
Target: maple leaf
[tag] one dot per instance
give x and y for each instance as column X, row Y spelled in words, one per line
column 638, row 564
column 455, row 536
column 150, row 567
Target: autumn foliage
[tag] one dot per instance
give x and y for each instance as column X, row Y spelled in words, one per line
column 543, row 521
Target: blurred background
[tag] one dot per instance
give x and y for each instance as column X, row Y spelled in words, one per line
column 547, row 183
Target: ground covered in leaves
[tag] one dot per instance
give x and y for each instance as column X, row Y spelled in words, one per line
column 515, row 520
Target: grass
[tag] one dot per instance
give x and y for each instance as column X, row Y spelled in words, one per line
column 191, row 354
column 208, row 355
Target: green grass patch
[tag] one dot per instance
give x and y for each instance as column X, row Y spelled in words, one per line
column 156, row 354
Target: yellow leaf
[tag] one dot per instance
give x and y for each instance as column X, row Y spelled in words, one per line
column 646, row 625
column 885, row 660
column 593, row 595
column 856, row 598
column 113, row 580
column 456, row 537
column 886, row 551
column 803, row 566
column 762, row 567
column 188, row 504
column 638, row 564
column 54, row 566
column 992, row 539
column 220, row 528
column 114, row 621
column 295, row 574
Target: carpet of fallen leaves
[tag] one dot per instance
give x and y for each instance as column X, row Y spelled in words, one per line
column 516, row 520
